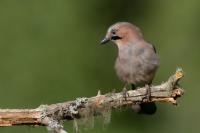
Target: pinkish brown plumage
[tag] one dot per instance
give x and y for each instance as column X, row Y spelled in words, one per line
column 137, row 60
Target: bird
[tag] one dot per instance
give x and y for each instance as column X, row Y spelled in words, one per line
column 137, row 60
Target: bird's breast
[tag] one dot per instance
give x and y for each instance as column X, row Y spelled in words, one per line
column 136, row 66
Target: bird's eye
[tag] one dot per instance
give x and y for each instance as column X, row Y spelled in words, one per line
column 113, row 32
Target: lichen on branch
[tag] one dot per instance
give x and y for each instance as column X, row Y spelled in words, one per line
column 53, row 115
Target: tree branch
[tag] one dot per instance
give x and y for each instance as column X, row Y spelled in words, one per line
column 52, row 115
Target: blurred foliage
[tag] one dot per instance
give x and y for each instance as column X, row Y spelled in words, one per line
column 50, row 52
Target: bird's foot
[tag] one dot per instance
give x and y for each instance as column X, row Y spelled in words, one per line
column 147, row 98
column 125, row 94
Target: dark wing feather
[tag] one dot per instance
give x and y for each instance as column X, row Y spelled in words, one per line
column 154, row 48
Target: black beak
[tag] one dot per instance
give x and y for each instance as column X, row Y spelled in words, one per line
column 105, row 40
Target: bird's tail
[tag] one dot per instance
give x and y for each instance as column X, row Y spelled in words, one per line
column 144, row 108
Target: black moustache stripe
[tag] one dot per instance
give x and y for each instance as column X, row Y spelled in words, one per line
column 115, row 38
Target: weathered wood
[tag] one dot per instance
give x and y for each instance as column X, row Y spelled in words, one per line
column 51, row 115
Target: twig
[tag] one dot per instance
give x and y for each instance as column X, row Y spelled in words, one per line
column 53, row 115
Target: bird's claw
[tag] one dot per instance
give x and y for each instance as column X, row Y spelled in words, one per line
column 147, row 98
column 125, row 94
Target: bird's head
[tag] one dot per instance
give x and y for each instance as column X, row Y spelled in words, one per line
column 122, row 33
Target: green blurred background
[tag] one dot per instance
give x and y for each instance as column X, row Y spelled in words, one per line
column 50, row 52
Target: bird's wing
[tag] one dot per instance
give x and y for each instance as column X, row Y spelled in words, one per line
column 154, row 48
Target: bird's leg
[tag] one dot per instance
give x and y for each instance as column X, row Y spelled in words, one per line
column 148, row 93
column 125, row 94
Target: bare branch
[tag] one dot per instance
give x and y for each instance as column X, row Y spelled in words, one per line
column 53, row 115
